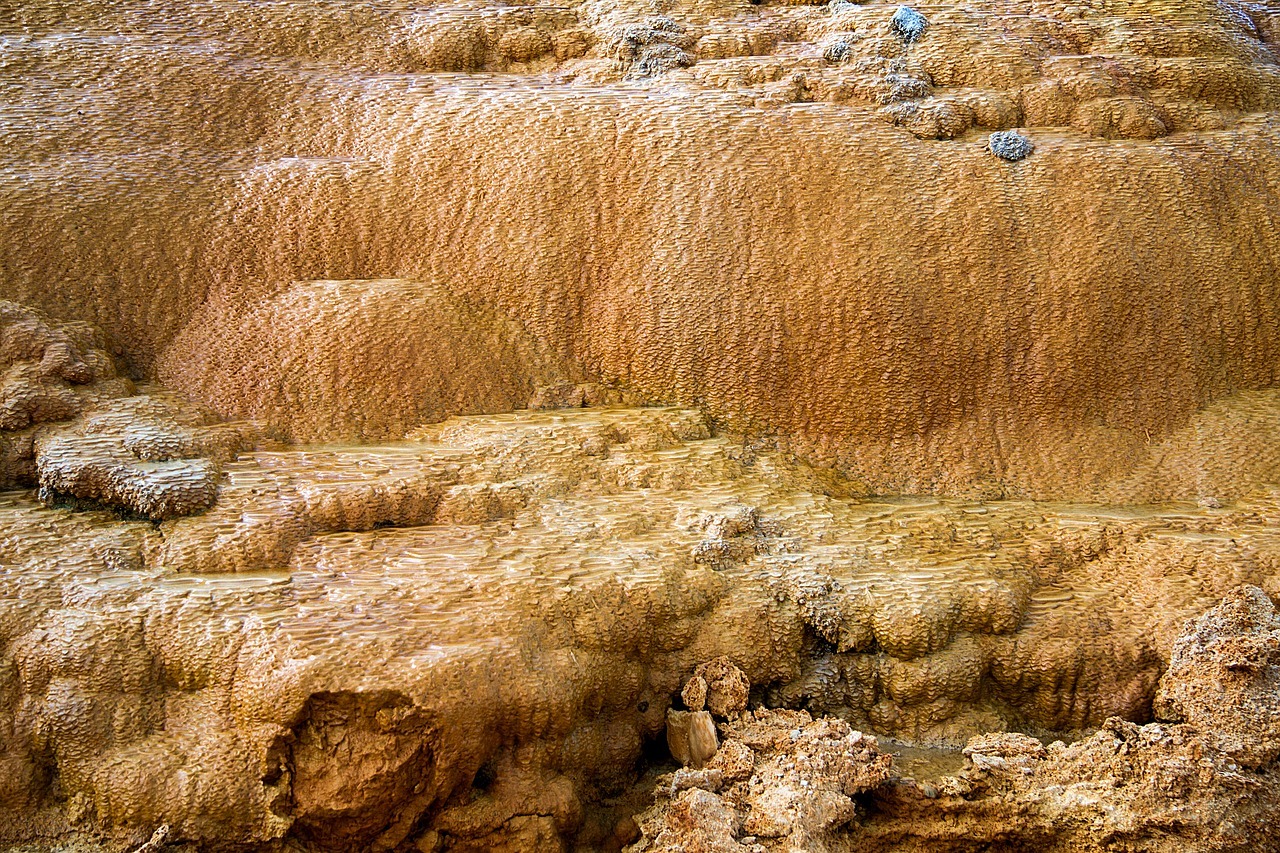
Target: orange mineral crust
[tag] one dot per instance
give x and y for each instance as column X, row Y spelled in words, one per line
column 672, row 426
column 789, row 215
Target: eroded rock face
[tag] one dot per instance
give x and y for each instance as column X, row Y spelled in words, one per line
column 151, row 455
column 1202, row 778
column 353, row 753
column 779, row 776
column 1203, row 783
column 73, row 426
column 1224, row 678
column 51, row 373
column 393, row 644
column 718, row 686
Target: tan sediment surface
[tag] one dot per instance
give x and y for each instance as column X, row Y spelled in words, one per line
column 749, row 232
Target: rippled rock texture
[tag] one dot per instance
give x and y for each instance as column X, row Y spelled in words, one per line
column 403, row 558
column 349, row 218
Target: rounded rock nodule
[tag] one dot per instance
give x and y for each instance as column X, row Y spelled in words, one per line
column 1010, row 145
column 908, row 24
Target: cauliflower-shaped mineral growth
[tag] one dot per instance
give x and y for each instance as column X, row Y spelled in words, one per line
column 908, row 24
column 1010, row 145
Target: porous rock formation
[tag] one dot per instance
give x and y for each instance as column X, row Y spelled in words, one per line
column 52, row 373
column 152, row 455
column 781, row 777
column 786, row 214
column 72, row 425
column 1200, row 778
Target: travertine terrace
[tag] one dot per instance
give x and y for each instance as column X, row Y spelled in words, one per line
column 353, row 635
column 414, row 413
column 751, row 225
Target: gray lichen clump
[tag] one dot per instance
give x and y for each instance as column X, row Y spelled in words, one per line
column 837, row 52
column 1010, row 145
column 656, row 46
column 908, row 24
column 903, row 87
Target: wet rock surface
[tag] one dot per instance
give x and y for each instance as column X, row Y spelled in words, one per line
column 441, row 624
column 347, row 220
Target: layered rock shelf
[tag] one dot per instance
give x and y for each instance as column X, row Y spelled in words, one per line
column 356, row 642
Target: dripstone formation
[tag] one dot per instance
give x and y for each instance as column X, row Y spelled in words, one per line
column 467, row 639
